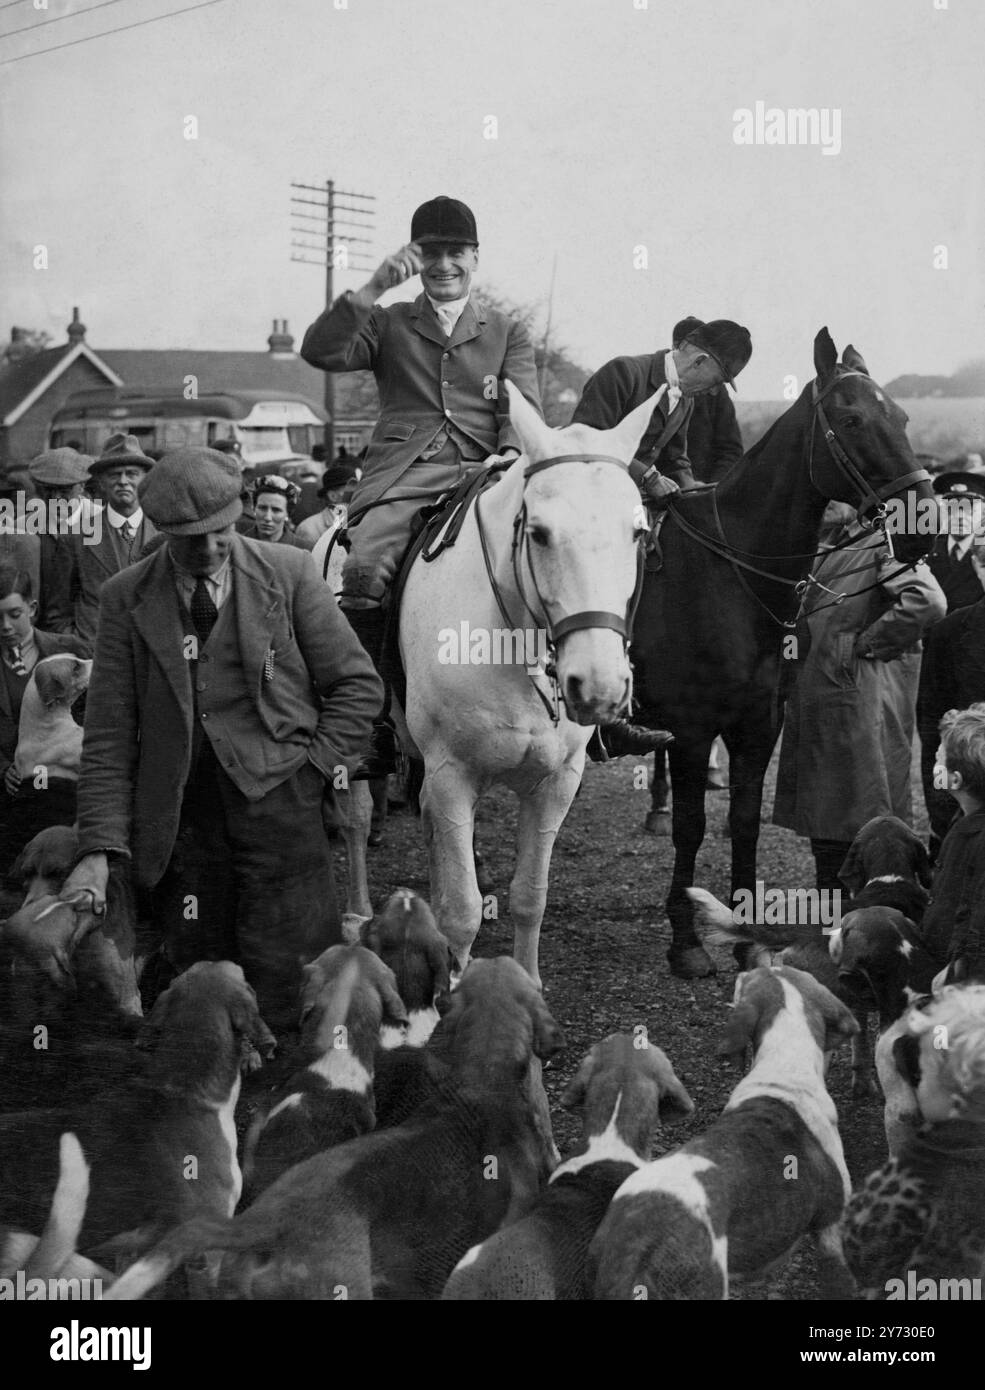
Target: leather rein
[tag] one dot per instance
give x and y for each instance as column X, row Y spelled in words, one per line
column 870, row 513
column 572, row 622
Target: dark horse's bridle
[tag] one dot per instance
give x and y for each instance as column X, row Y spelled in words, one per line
column 572, row 622
column 870, row 511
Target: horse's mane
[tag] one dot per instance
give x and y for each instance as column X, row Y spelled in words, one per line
column 739, row 471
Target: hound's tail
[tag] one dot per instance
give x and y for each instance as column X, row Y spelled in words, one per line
column 716, row 925
column 177, row 1248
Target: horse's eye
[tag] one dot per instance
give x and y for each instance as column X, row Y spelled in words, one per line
column 538, row 535
column 851, row 422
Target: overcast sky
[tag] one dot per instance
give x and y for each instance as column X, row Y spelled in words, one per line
column 616, row 123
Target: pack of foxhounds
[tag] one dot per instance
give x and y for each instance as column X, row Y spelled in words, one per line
column 400, row 1147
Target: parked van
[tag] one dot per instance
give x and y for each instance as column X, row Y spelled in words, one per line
column 271, row 428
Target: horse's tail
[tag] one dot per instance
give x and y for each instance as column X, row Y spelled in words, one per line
column 716, row 926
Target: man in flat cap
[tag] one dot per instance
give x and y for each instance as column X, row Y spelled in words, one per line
column 59, row 476
column 124, row 532
column 226, row 688
column 707, row 355
column 440, row 362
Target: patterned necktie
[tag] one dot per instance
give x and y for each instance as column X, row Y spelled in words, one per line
column 15, row 661
column 956, row 545
column 127, row 534
column 447, row 321
column 203, row 610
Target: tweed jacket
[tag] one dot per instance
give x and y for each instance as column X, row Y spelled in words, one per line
column 84, row 569
column 619, row 387
column 426, row 380
column 48, row 644
column 313, row 696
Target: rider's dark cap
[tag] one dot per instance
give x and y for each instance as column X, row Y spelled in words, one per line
column 443, row 219
column 728, row 343
column 960, row 484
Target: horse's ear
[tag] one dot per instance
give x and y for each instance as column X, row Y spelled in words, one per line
column 825, row 355
column 853, row 360
column 625, row 438
column 535, row 436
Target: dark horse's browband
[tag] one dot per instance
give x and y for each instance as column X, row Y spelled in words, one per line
column 573, row 622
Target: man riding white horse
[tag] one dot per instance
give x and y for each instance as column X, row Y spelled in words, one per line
column 440, row 363
column 707, row 355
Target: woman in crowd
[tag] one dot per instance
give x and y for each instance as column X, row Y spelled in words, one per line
column 273, row 498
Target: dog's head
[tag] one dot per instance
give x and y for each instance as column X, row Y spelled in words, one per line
column 764, row 994
column 45, row 862
column 60, row 680
column 205, row 1027
column 885, row 845
column 406, row 937
column 872, row 949
column 628, row 1081
column 496, row 1020
column 348, row 987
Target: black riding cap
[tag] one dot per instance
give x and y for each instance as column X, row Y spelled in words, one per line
column 728, row 343
column 444, row 219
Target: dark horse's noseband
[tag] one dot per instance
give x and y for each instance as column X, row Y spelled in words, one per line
column 573, row 622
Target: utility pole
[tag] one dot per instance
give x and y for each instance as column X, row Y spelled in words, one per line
column 334, row 251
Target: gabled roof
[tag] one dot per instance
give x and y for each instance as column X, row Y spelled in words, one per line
column 24, row 382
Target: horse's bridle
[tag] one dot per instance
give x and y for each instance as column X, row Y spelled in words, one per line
column 572, row 622
column 871, row 510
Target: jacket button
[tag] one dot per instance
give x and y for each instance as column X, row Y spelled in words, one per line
column 446, row 383
column 448, row 413
column 205, row 716
column 203, row 657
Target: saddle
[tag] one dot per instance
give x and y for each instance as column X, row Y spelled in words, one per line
column 435, row 529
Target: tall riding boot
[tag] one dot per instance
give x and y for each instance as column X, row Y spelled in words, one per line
column 369, row 625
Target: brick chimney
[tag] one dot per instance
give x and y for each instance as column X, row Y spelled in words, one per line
column 20, row 345
column 76, row 329
column 280, row 342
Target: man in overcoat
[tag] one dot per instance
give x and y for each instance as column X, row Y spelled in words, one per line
column 226, row 689
column 849, row 721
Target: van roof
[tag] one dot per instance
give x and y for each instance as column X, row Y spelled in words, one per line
column 171, row 401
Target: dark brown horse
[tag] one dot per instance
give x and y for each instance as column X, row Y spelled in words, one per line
column 712, row 637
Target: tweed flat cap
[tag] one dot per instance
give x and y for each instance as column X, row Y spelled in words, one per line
column 192, row 491
column 118, row 451
column 60, row 467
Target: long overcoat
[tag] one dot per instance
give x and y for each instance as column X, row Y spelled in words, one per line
column 849, row 722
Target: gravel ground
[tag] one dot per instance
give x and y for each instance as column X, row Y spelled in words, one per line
column 604, row 944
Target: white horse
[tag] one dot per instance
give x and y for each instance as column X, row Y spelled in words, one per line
column 545, row 566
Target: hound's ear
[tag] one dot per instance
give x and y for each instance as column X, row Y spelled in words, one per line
column 922, row 866
column 675, row 1103
column 852, row 871
column 244, row 1015
column 393, row 1006
column 624, row 440
column 740, row 1032
column 825, row 356
column 574, row 1092
column 906, row 1057
column 311, row 983
column 853, row 361
column 439, row 962
column 369, row 936
column 537, row 439
column 153, row 1024
column 51, row 686
column 840, row 1023
column 836, row 944
column 548, row 1037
